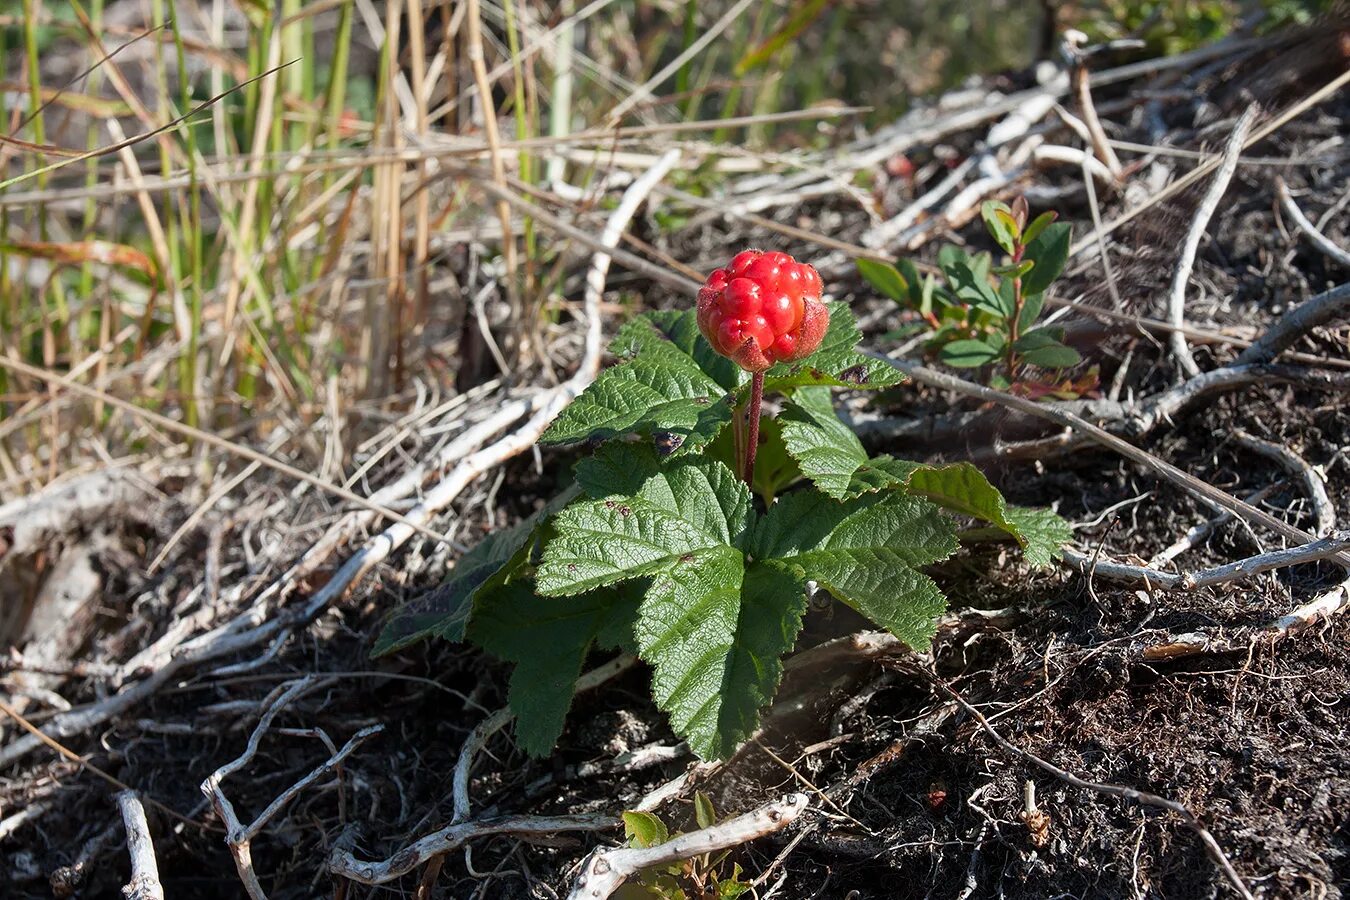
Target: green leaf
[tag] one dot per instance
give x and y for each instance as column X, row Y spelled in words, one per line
column 1000, row 223
column 1050, row 251
column 1031, row 311
column 715, row 633
column 835, row 362
column 673, row 335
column 1040, row 531
column 712, row 632
column 964, row 489
column 881, row 472
column 643, row 830
column 685, row 509
column 704, row 814
column 1016, row 270
column 886, row 278
column 968, row 354
column 444, row 611
column 865, row 552
column 826, row 450
column 1038, row 225
column 669, row 384
column 650, row 395
column 1053, row 356
column 547, row 638
column 971, row 286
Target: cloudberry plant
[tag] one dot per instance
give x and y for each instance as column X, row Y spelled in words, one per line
column 673, row 545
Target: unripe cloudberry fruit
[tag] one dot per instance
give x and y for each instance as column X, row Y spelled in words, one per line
column 763, row 308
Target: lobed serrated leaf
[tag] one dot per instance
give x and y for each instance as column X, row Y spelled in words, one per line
column 650, row 395
column 826, row 450
column 715, row 634
column 673, row 335
column 444, row 611
column 866, row 552
column 547, row 638
column 1041, row 532
column 963, row 488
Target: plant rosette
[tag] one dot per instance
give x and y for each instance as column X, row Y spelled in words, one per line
column 676, row 545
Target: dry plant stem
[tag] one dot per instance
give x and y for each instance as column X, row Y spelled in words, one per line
column 1176, row 302
column 1329, row 306
column 1204, row 168
column 752, row 435
column 1100, row 436
column 606, row 870
column 1082, row 90
column 1315, row 237
column 239, row 836
column 474, row 51
column 1198, row 533
column 1115, row 790
column 1325, row 548
column 220, row 443
column 1322, row 608
column 144, row 883
column 461, row 829
column 1323, row 510
column 452, row 837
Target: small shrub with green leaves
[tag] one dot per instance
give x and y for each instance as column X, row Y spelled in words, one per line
column 693, row 536
column 705, row 875
column 982, row 315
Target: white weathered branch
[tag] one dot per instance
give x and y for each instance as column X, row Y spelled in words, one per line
column 1176, row 301
column 606, row 870
column 1315, row 237
column 144, row 883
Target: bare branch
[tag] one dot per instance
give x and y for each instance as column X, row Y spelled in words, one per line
column 1176, row 302
column 606, row 870
column 144, row 884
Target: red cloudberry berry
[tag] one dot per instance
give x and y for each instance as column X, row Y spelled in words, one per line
column 763, row 308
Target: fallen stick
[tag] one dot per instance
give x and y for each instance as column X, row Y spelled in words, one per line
column 606, row 870
column 1314, row 236
column 1321, row 608
column 1176, row 300
column 1324, row 548
column 1323, row 511
column 144, row 883
column 461, row 829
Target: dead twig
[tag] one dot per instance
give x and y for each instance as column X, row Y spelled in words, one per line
column 1324, row 513
column 1329, row 306
column 1176, row 300
column 606, row 870
column 1321, row 608
column 1314, row 236
column 238, row 836
column 1325, row 548
column 144, row 883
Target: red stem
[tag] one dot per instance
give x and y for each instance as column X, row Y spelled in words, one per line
column 752, row 439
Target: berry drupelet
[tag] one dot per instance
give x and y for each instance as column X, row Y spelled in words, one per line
column 763, row 308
